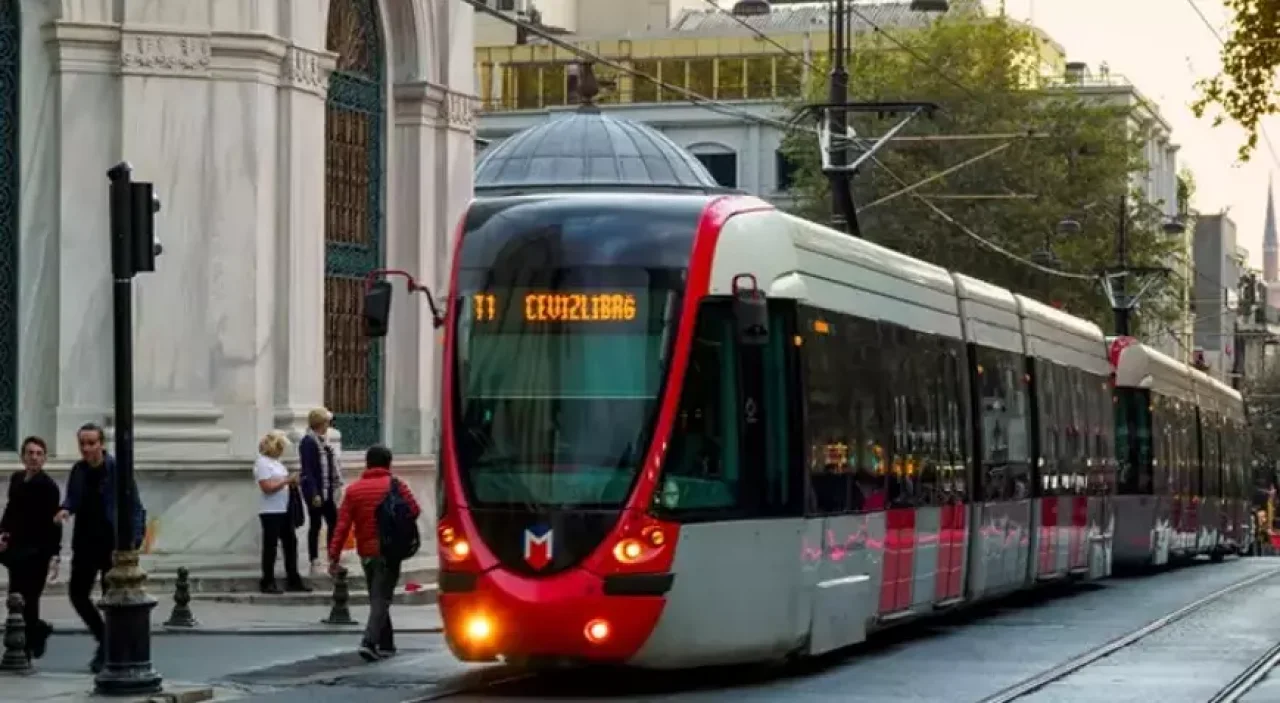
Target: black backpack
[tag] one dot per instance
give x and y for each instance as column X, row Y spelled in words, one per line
column 398, row 537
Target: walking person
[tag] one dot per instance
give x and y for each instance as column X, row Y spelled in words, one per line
column 92, row 501
column 30, row 539
column 382, row 512
column 321, row 482
column 279, row 528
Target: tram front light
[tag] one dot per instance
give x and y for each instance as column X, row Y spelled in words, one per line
column 628, row 551
column 460, row 549
column 479, row 629
column 597, row 631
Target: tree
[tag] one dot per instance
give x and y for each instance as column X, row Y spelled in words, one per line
column 1245, row 91
column 1262, row 396
column 987, row 82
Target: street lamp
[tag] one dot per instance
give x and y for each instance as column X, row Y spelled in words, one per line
column 126, row 606
column 930, row 5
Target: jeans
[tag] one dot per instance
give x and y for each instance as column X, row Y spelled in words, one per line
column 328, row 512
column 89, row 567
column 380, row 577
column 277, row 529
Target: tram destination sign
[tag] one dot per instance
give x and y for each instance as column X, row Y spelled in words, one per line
column 539, row 307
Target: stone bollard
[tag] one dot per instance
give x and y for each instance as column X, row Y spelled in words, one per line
column 15, row 658
column 181, row 615
column 340, row 614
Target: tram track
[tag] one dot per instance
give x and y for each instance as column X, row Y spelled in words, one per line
column 1233, row 692
column 1242, row 684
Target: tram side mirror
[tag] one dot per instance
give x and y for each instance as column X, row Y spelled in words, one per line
column 377, row 308
column 750, row 311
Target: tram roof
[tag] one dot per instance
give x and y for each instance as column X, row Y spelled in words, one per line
column 1059, row 336
column 1217, row 395
column 1140, row 366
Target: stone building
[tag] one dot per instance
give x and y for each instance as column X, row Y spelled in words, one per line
column 296, row 145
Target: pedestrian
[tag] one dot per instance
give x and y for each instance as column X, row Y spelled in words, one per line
column 321, row 482
column 362, row 511
column 30, row 539
column 279, row 528
column 92, row 501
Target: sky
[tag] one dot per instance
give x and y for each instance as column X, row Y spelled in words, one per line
column 1163, row 47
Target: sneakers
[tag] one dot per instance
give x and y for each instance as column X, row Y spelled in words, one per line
column 367, row 653
column 317, row 569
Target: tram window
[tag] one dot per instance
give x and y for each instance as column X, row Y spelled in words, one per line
column 901, row 351
column 701, row 468
column 1005, row 407
column 1046, row 391
column 782, row 494
column 956, row 418
column 846, row 438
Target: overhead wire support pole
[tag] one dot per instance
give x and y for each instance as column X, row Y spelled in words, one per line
column 844, row 216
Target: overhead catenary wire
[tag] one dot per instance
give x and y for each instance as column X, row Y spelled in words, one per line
column 722, row 108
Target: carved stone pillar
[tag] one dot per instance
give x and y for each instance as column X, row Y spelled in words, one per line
column 299, row 240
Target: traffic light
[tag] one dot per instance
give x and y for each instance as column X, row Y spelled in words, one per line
column 144, row 204
column 133, row 208
column 377, row 308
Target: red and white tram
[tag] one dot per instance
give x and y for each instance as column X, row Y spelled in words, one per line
column 687, row 429
column 1182, row 489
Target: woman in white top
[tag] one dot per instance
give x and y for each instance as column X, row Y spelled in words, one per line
column 274, row 480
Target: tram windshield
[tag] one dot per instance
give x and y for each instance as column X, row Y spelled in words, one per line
column 559, row 361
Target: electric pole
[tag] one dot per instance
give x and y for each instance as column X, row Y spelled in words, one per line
column 843, row 215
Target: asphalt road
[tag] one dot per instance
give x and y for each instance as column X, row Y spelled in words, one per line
column 961, row 660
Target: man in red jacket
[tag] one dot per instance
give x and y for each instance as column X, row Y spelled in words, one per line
column 359, row 511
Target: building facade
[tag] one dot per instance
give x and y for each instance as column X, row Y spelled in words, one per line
column 296, row 146
column 1218, row 268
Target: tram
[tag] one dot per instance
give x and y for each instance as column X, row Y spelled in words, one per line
column 1183, row 490
column 683, row 430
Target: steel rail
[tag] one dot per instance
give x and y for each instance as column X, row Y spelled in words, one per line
column 1250, row 677
column 1034, row 683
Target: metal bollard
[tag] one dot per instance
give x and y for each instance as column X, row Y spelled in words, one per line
column 182, row 615
column 15, row 658
column 340, row 614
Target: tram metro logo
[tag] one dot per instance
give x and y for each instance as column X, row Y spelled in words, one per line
column 538, row 546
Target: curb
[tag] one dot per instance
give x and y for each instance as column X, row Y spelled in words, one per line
column 260, row 631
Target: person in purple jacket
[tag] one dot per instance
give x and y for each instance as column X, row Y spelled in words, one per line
column 321, row 483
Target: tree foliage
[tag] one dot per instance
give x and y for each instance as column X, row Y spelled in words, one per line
column 986, row 82
column 1245, row 91
column 1262, row 395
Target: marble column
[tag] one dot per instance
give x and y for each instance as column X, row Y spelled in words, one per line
column 39, row 209
column 299, row 240
column 167, row 108
column 412, row 344
column 86, row 111
column 244, row 127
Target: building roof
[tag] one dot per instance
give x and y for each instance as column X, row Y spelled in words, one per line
column 590, row 149
column 800, row 17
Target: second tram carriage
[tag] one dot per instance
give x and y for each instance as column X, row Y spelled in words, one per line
column 1183, row 489
column 688, row 429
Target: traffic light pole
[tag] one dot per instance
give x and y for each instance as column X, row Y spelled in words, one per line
column 127, row 607
column 844, row 216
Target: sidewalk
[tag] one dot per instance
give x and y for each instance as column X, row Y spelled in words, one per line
column 216, row 618
column 74, row 688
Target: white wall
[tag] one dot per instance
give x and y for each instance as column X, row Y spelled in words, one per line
column 222, row 105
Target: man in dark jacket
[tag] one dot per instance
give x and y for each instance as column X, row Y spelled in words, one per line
column 30, row 540
column 93, row 503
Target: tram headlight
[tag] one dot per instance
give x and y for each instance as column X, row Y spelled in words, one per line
column 597, row 631
column 628, row 551
column 479, row 629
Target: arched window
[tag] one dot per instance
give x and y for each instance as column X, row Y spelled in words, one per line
column 354, row 129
